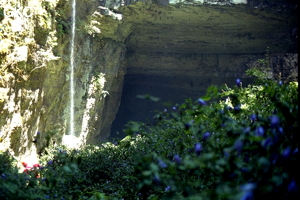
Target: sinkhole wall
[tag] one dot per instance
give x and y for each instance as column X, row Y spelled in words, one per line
column 176, row 52
column 35, row 74
column 170, row 49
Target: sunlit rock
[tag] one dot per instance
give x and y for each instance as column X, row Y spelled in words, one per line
column 71, row 142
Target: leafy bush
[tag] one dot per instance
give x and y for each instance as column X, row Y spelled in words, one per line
column 15, row 185
column 1, row 14
column 243, row 147
column 7, row 162
column 233, row 143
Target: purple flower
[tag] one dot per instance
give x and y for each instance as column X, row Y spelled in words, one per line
column 206, row 135
column 237, row 108
column 248, row 186
column 244, row 169
column 3, row 176
column 201, row 102
column 174, row 108
column 50, row 162
column 286, row 152
column 280, row 82
column 38, row 133
column 165, row 110
column 259, row 131
column 238, row 145
column 226, row 154
column 280, row 129
column 238, row 82
column 198, row 148
column 295, row 151
column 42, row 167
column 168, row 188
column 246, row 130
column 274, row 120
column 177, row 158
column 253, row 117
column 292, row 187
column 267, row 142
column 157, row 179
column 247, row 190
column 162, row 163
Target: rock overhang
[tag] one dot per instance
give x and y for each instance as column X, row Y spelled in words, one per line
column 177, row 51
column 226, row 26
column 234, row 29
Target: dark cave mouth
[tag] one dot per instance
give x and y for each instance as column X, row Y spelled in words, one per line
column 170, row 90
column 180, row 54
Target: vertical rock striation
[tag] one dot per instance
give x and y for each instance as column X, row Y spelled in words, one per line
column 34, row 82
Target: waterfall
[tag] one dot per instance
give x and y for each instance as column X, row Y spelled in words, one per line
column 72, row 90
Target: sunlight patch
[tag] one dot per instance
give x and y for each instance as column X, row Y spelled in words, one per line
column 71, row 142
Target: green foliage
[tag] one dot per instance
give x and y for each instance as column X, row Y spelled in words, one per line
column 1, row 14
column 62, row 27
column 7, row 162
column 262, row 71
column 15, row 185
column 253, row 143
column 241, row 145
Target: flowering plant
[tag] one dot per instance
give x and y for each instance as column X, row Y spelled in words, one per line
column 32, row 168
column 233, row 143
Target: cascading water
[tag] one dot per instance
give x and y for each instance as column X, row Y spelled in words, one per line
column 72, row 90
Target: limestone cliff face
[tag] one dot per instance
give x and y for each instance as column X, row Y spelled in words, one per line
column 169, row 48
column 26, row 42
column 35, row 74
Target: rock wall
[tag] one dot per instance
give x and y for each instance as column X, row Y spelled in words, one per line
column 175, row 48
column 35, row 74
column 26, row 42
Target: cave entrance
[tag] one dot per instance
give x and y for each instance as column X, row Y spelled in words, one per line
column 176, row 53
column 172, row 78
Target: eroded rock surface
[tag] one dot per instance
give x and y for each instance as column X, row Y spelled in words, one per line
column 171, row 49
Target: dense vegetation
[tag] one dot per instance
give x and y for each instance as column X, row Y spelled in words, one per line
column 233, row 143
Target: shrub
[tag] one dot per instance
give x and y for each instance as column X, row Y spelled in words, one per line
column 15, row 185
column 245, row 145
column 233, row 143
